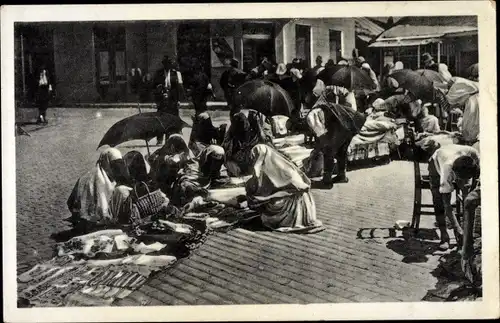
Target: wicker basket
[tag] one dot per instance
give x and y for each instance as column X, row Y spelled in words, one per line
column 149, row 204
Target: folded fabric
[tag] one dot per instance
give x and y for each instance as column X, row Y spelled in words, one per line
column 289, row 141
column 379, row 124
column 461, row 90
column 442, row 139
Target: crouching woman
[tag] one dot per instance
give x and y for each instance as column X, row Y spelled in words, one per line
column 281, row 192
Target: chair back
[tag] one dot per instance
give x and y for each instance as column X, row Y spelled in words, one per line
column 410, row 135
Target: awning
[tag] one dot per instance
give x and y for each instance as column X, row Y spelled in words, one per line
column 404, row 42
column 364, row 38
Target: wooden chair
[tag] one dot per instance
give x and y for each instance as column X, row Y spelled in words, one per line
column 422, row 182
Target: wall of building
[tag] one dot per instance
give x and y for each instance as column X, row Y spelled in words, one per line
column 161, row 40
column 74, row 63
column 320, row 40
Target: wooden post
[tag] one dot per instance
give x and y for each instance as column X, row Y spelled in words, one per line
column 439, row 53
column 418, row 56
column 23, row 66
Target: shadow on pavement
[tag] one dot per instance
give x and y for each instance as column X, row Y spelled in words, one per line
column 413, row 250
column 387, row 233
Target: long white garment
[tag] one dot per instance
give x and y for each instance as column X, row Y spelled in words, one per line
column 470, row 121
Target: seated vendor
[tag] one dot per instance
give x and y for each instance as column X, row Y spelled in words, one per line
column 203, row 133
column 89, row 199
column 427, row 123
column 450, row 165
column 470, row 250
column 124, row 194
column 243, row 134
column 197, row 175
column 281, row 193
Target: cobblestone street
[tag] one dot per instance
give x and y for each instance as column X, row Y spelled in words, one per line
column 341, row 264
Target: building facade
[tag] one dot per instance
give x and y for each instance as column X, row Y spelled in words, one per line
column 91, row 62
column 455, row 46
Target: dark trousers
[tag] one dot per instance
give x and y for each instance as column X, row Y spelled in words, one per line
column 170, row 107
column 334, row 146
column 437, row 201
column 42, row 108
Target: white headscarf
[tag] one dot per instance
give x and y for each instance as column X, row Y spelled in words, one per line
column 91, row 194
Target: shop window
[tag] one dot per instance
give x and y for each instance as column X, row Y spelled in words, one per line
column 303, row 42
column 335, row 45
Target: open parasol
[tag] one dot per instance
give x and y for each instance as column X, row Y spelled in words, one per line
column 143, row 126
column 265, row 97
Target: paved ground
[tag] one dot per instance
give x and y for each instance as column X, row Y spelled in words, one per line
column 353, row 260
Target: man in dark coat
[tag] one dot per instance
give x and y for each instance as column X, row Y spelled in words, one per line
column 334, row 134
column 230, row 81
column 201, row 88
column 169, row 90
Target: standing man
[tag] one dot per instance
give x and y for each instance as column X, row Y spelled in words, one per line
column 230, row 81
column 202, row 88
column 319, row 65
column 169, row 90
column 449, row 165
column 430, row 64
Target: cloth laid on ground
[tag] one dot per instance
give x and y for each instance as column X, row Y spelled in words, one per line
column 219, row 212
column 72, row 279
column 100, row 267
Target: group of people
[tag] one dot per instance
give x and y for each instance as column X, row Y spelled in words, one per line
column 274, row 185
column 452, row 164
column 185, row 172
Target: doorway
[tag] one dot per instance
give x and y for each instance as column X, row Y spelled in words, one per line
column 335, row 38
column 303, row 42
column 111, row 69
column 36, row 48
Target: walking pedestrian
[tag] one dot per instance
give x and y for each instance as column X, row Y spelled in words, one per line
column 169, row 90
column 43, row 93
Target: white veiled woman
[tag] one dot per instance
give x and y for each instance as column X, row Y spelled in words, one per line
column 89, row 201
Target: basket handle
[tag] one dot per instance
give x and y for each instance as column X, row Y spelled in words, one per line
column 135, row 188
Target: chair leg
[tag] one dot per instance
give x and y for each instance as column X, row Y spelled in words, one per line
column 417, row 208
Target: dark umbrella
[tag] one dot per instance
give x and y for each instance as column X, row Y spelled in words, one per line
column 264, row 96
column 351, row 78
column 473, row 70
column 416, row 83
column 431, row 75
column 142, row 126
